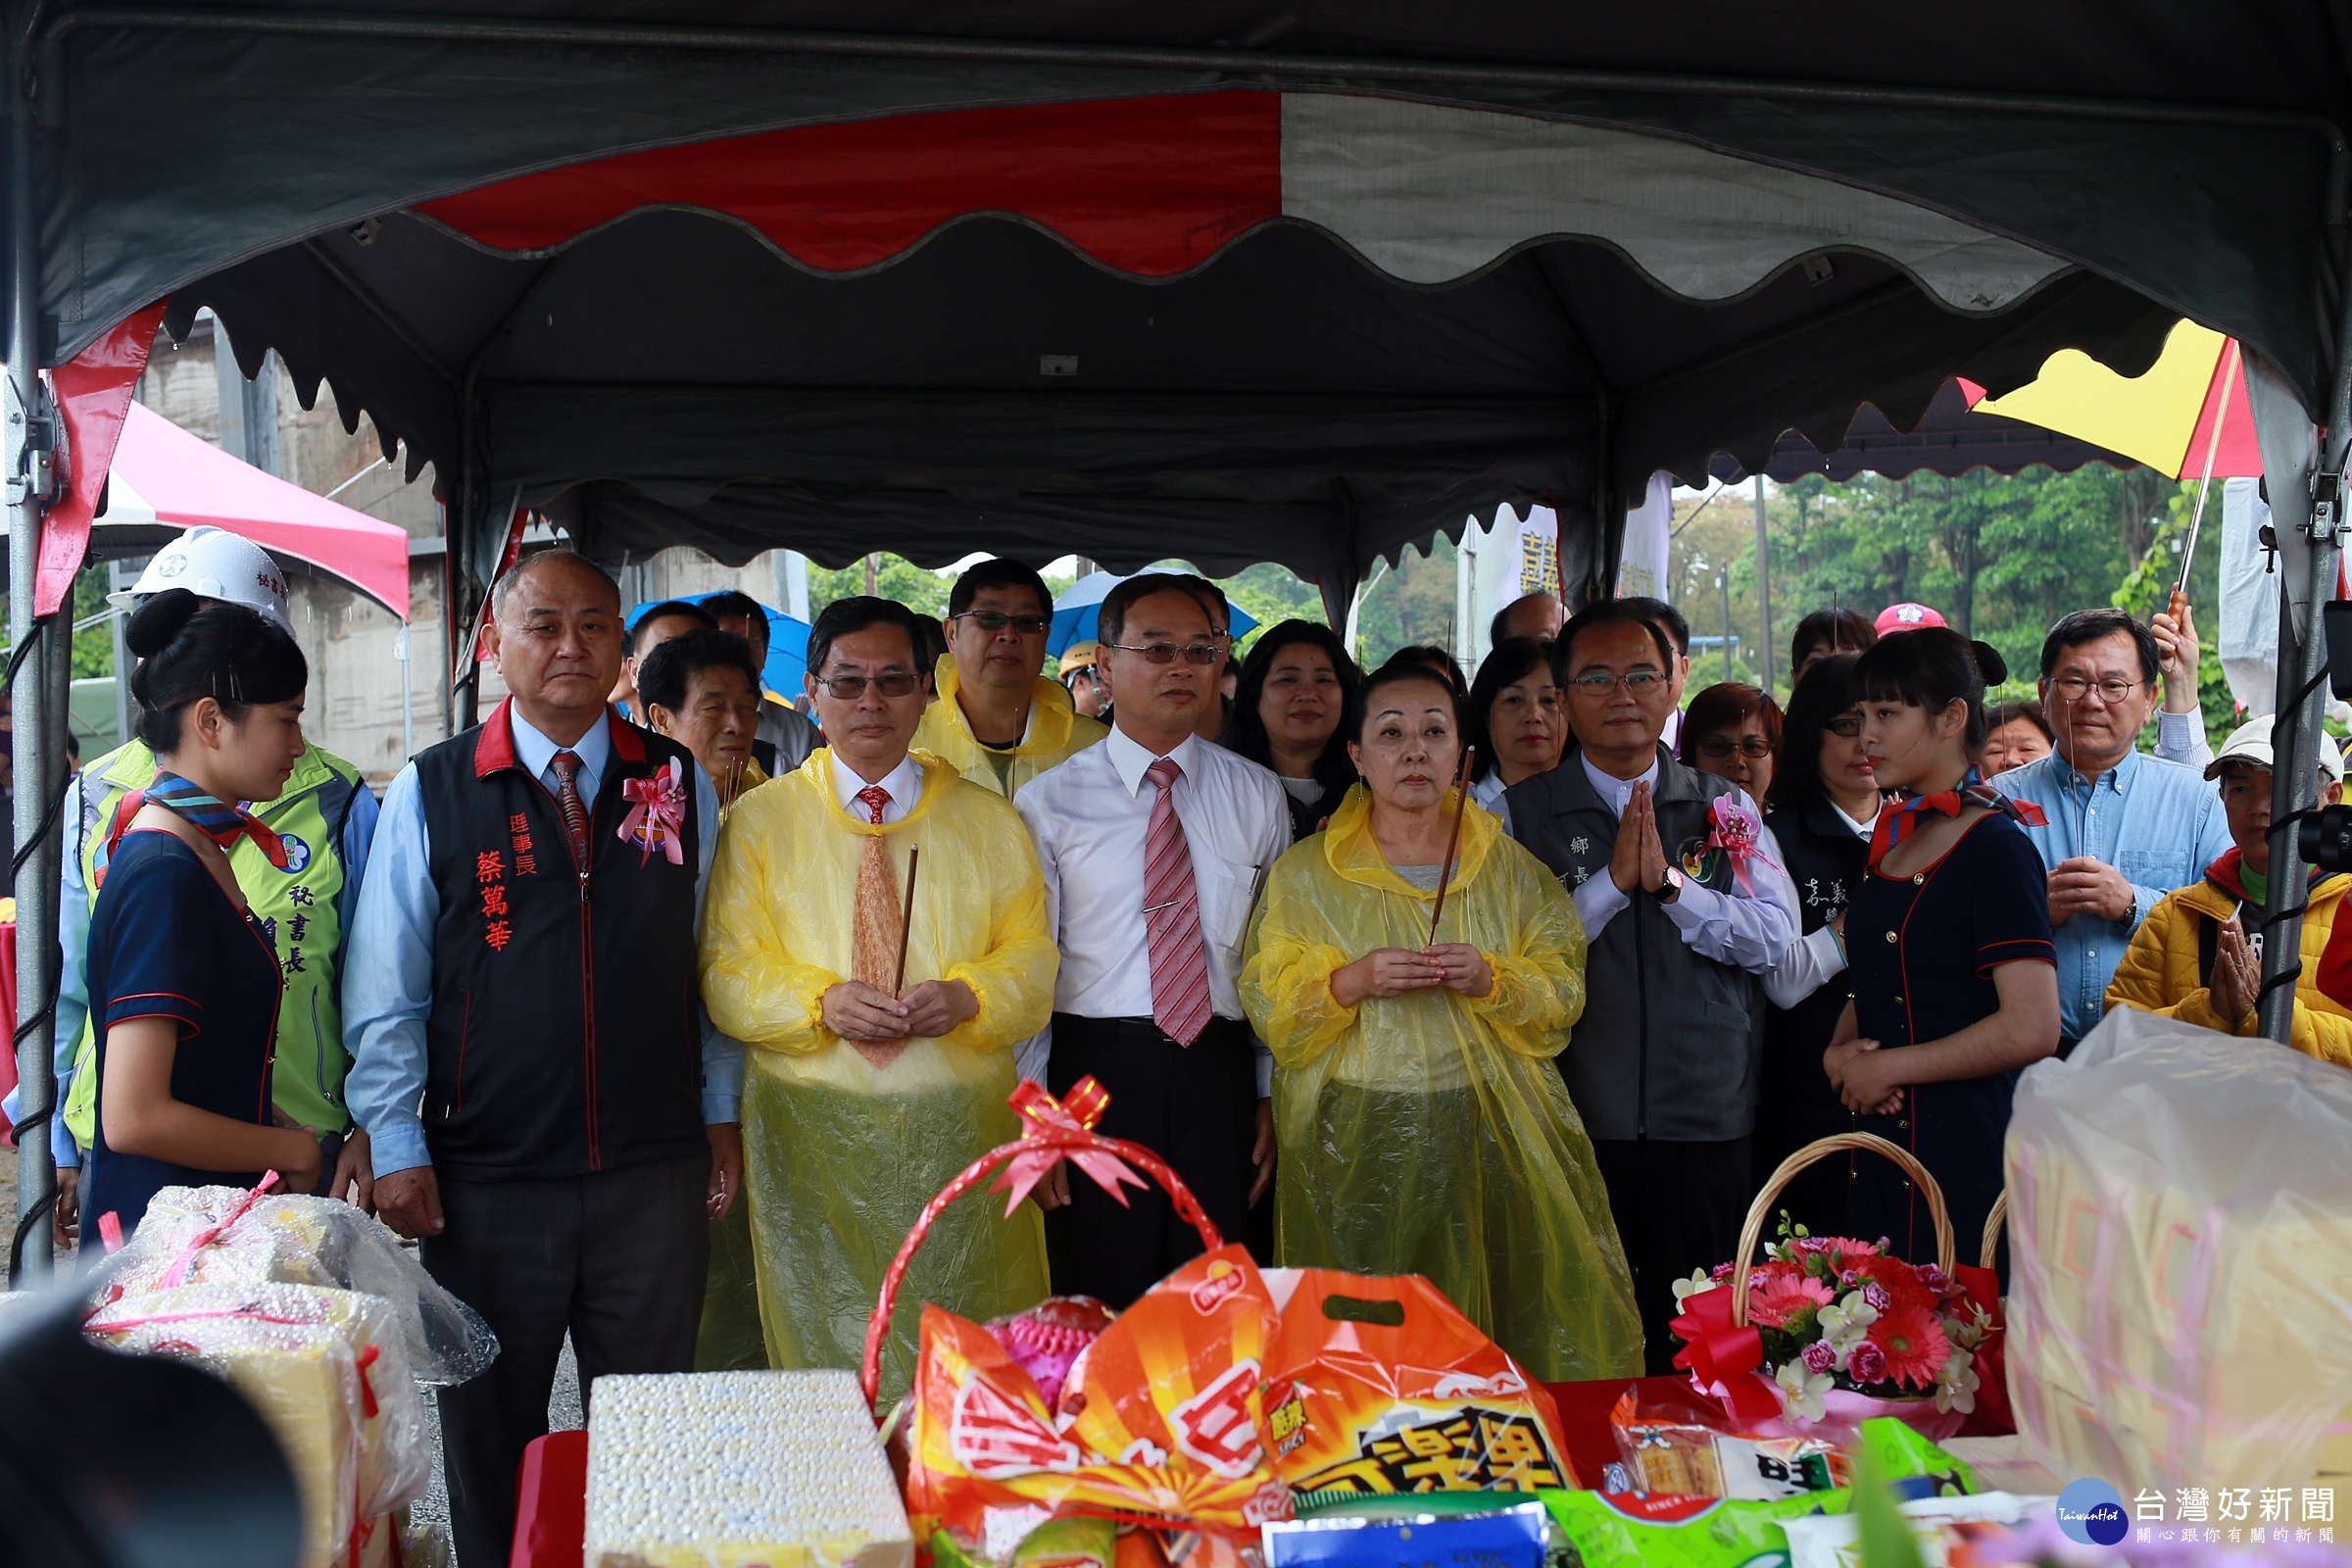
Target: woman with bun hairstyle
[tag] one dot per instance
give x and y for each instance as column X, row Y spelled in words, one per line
column 1954, row 974
column 183, row 983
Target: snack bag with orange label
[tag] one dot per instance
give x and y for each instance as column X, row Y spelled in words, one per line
column 1160, row 1421
column 1378, row 1386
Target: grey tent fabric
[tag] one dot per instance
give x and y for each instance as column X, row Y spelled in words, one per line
column 1947, row 439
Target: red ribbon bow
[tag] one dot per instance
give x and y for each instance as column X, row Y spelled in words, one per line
column 657, row 814
column 1043, row 1116
column 1723, row 1360
column 1896, row 822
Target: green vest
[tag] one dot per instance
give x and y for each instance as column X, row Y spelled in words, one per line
column 297, row 909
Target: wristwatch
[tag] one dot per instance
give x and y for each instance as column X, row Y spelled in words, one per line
column 1671, row 888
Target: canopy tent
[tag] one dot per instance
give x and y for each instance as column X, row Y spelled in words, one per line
column 1295, row 281
column 165, row 479
column 1950, row 438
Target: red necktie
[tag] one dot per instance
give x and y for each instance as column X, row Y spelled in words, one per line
column 1180, row 1001
column 568, row 799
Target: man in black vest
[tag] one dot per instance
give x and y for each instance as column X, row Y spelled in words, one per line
column 1664, row 1064
column 549, row 1111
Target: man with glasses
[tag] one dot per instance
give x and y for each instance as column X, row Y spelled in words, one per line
column 1152, row 846
column 877, row 1069
column 999, row 719
column 785, row 736
column 1665, row 1064
column 2122, row 828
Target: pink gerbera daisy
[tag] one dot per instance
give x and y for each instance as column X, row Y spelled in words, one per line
column 1772, row 1301
column 1914, row 1344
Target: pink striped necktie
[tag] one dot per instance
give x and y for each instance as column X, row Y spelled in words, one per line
column 1180, row 1000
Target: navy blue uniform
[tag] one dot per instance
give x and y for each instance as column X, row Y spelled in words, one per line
column 167, row 942
column 1922, row 949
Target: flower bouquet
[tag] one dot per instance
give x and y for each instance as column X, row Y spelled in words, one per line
column 1828, row 1331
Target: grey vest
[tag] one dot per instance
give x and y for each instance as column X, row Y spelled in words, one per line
column 1670, row 1044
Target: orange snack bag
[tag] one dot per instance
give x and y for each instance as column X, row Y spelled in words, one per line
column 1161, row 1420
column 1378, row 1385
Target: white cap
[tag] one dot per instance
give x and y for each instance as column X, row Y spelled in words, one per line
column 2250, row 742
column 214, row 564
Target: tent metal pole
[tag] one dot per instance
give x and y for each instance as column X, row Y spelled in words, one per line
column 2302, row 697
column 39, row 712
column 1244, row 62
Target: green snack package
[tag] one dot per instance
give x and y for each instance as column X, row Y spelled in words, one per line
column 1913, row 1466
column 1073, row 1541
column 1627, row 1530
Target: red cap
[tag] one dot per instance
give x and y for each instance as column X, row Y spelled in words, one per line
column 1906, row 616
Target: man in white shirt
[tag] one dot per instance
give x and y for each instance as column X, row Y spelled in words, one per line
column 1665, row 1065
column 1153, row 844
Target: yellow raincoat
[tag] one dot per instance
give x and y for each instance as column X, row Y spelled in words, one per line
column 1425, row 1134
column 1057, row 732
column 842, row 1156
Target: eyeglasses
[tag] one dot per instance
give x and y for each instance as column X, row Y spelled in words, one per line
column 996, row 620
column 848, row 688
column 1723, row 746
column 1599, row 683
column 1201, row 653
column 1846, row 725
column 2075, row 688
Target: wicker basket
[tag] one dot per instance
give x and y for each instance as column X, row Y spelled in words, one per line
column 1752, row 1234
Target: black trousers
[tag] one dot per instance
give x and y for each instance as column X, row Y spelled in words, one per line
column 1194, row 1108
column 1678, row 1206
column 617, row 1259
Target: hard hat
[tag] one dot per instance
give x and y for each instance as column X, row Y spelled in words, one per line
column 1081, row 656
column 214, row 564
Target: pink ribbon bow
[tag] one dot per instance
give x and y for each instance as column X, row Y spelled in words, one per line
column 657, row 814
column 1738, row 832
column 1042, row 1116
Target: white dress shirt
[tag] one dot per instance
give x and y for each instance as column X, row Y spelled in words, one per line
column 1750, row 932
column 1488, row 792
column 1090, row 818
column 903, row 784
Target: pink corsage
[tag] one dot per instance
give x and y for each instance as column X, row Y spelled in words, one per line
column 1736, row 831
column 657, row 816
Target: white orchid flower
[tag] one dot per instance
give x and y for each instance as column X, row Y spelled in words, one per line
column 1804, row 1389
column 1696, row 1284
column 1956, row 1386
column 1844, row 1323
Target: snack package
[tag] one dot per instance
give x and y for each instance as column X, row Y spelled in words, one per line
column 1378, row 1386
column 1627, row 1530
column 328, row 1372
column 1673, row 1445
column 1159, row 1422
column 231, row 1236
column 1495, row 1538
column 1951, row 1532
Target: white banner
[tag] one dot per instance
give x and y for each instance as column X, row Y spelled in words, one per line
column 2249, row 595
column 1648, row 541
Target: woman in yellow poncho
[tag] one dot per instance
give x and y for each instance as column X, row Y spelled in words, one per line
column 848, row 1135
column 1421, row 1130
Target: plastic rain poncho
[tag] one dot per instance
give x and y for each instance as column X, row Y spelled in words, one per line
column 842, row 1156
column 1427, row 1133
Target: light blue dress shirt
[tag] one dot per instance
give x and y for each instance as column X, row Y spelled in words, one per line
column 388, row 972
column 74, row 941
column 2159, row 823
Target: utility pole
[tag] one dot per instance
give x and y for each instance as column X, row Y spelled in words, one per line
column 1763, row 594
column 1723, row 581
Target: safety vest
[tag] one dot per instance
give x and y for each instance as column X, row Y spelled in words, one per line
column 298, row 910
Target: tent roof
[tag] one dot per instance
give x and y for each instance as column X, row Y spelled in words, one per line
column 777, row 281
column 1949, row 438
column 165, row 479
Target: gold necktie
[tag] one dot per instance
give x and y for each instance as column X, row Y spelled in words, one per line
column 875, row 950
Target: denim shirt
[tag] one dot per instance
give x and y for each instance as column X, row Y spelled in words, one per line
column 2157, row 822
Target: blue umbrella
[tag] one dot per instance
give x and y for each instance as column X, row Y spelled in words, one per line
column 1078, row 613
column 787, row 644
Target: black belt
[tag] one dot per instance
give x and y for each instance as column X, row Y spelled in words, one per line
column 1078, row 1029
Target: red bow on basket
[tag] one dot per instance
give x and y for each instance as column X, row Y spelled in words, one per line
column 1723, row 1360
column 1042, row 1116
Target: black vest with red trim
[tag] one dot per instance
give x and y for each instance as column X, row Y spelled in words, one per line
column 565, row 1034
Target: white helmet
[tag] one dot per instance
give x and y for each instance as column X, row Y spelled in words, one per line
column 214, row 564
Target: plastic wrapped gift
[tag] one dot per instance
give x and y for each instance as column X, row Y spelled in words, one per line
column 232, row 1235
column 2181, row 1241
column 730, row 1469
column 326, row 1368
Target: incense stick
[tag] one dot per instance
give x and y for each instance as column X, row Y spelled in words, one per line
column 1454, row 840
column 915, row 860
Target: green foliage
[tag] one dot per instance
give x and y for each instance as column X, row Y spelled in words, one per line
column 918, row 588
column 93, row 645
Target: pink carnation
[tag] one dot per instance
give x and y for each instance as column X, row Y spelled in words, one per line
column 1771, row 1303
column 1868, row 1363
column 1820, row 1359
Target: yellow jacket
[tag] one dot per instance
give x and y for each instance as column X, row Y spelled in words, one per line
column 2159, row 973
column 1427, row 1133
column 1057, row 732
column 842, row 1156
